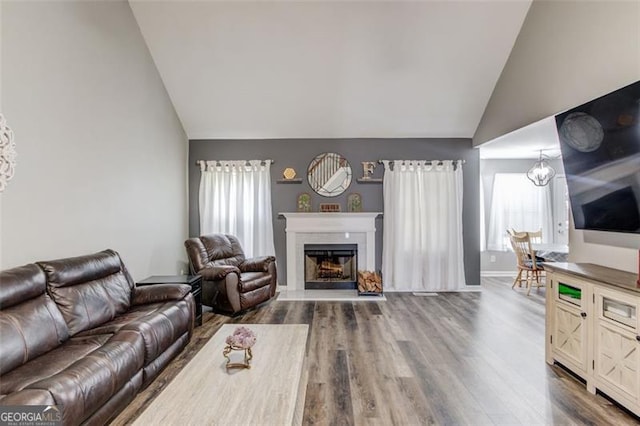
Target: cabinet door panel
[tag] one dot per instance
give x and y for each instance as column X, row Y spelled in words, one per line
column 618, row 359
column 570, row 336
column 616, row 348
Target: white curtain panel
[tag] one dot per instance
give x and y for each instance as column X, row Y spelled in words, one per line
column 516, row 203
column 235, row 198
column 423, row 248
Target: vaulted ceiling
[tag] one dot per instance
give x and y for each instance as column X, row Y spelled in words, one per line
column 237, row 69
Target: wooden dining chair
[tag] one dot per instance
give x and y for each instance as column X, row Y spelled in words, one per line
column 536, row 237
column 529, row 269
column 519, row 279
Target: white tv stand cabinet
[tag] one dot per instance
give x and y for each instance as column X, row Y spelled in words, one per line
column 593, row 328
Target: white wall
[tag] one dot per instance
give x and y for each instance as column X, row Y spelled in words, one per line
column 613, row 257
column 567, row 53
column 102, row 155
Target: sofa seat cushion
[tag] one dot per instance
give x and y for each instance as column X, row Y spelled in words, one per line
column 160, row 325
column 51, row 363
column 89, row 382
column 113, row 326
column 254, row 280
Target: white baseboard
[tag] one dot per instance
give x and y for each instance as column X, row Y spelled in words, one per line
column 510, row 274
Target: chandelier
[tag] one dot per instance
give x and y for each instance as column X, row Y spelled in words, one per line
column 541, row 173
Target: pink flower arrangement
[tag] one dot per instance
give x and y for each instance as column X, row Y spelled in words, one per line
column 242, row 338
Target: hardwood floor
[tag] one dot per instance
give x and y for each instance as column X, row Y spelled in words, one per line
column 453, row 359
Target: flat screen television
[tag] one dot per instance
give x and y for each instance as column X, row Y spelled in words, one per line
column 600, row 144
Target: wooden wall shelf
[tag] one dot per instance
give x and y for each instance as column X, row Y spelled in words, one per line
column 297, row 180
column 373, row 180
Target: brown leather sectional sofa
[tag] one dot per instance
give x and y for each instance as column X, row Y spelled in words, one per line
column 79, row 334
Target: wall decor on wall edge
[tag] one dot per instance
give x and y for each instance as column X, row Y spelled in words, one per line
column 7, row 153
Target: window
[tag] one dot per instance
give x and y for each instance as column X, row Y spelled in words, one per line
column 518, row 204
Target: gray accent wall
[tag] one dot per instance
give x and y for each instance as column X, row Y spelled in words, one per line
column 298, row 153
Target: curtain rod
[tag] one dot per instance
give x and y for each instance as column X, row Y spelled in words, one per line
column 199, row 162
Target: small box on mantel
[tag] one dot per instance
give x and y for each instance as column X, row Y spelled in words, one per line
column 330, row 208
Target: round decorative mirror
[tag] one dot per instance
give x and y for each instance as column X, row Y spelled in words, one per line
column 329, row 174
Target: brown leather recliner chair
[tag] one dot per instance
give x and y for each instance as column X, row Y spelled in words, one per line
column 231, row 283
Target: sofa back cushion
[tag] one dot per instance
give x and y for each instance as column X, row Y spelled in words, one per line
column 89, row 290
column 214, row 250
column 30, row 323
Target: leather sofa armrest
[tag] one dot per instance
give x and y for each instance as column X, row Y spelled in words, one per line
column 257, row 264
column 159, row 293
column 214, row 273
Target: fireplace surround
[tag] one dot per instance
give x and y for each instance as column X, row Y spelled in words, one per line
column 328, row 228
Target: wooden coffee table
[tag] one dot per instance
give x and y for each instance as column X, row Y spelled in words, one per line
column 270, row 392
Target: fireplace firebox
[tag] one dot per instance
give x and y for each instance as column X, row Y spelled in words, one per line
column 330, row 266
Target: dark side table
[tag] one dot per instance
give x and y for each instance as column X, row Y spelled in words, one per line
column 195, row 281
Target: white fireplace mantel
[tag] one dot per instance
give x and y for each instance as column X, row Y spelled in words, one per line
column 328, row 228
